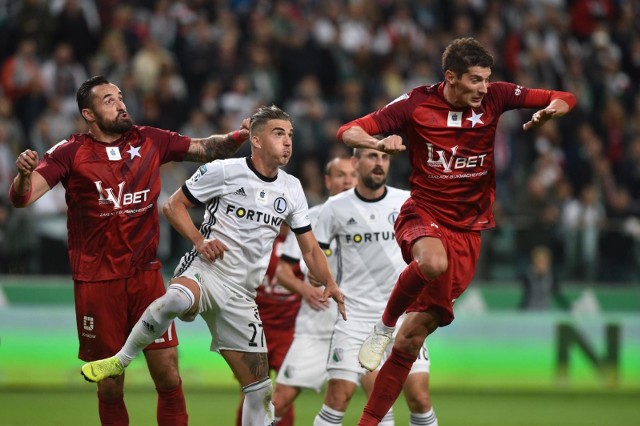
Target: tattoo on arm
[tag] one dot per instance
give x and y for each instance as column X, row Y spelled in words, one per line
column 214, row 147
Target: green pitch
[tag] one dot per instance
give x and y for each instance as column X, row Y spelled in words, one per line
column 77, row 407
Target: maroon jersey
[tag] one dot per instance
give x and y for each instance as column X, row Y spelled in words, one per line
column 451, row 148
column 112, row 192
column 278, row 307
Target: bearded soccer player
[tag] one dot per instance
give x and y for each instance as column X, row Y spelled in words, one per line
column 246, row 199
column 112, row 180
column 450, row 129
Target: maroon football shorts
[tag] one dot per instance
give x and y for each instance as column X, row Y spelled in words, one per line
column 106, row 311
column 278, row 342
column 463, row 250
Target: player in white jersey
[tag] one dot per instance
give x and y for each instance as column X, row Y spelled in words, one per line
column 304, row 366
column 246, row 201
column 360, row 222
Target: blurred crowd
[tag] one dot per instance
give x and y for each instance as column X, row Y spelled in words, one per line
column 199, row 67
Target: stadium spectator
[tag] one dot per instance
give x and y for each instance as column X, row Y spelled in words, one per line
column 556, row 54
column 361, row 222
column 440, row 238
column 111, row 177
column 247, row 200
column 304, row 366
column 540, row 283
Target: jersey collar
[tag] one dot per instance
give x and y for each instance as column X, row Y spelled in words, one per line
column 371, row 200
column 257, row 173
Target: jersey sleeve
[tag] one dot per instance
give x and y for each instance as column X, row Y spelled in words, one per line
column 206, row 183
column 396, row 114
column 56, row 163
column 172, row 145
column 290, row 250
column 298, row 219
column 324, row 228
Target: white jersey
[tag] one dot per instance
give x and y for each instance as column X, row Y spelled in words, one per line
column 310, row 322
column 366, row 246
column 244, row 210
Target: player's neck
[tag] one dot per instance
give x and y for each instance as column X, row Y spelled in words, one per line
column 104, row 137
column 368, row 193
column 449, row 93
column 262, row 167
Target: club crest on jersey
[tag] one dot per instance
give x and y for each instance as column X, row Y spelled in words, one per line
column 113, row 152
column 392, row 217
column 454, row 119
column 280, row 205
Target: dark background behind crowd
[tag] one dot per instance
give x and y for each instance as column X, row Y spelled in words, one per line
column 199, row 67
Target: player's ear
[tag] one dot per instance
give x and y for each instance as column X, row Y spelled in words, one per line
column 255, row 141
column 88, row 115
column 449, row 76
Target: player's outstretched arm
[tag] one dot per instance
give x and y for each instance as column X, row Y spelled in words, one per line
column 216, row 147
column 288, row 279
column 357, row 137
column 316, row 261
column 176, row 210
column 28, row 185
column 560, row 104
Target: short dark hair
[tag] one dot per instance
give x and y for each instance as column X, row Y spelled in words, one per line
column 463, row 53
column 83, row 96
column 265, row 114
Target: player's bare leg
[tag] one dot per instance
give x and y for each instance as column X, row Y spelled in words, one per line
column 163, row 368
column 252, row 371
column 283, row 398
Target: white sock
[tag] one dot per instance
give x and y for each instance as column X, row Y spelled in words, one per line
column 257, row 409
column 388, row 419
column 381, row 327
column 155, row 320
column 423, row 419
column 328, row 417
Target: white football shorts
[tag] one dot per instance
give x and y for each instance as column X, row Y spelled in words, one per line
column 232, row 318
column 346, row 342
column 305, row 365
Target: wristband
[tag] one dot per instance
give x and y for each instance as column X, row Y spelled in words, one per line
column 235, row 136
column 17, row 199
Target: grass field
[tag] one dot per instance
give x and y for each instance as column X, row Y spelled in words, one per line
column 77, row 407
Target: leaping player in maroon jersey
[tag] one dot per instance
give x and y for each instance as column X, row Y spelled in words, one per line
column 112, row 180
column 450, row 129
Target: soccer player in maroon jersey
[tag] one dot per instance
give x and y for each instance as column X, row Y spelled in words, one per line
column 450, row 129
column 112, row 180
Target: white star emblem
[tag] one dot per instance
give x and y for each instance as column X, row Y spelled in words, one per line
column 134, row 152
column 475, row 118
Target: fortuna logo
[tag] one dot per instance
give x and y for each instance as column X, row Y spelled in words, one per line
column 448, row 164
column 368, row 237
column 240, row 192
column 254, row 215
column 107, row 195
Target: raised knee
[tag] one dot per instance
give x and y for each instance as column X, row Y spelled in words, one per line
column 433, row 266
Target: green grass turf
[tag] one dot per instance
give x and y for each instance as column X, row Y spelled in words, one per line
column 30, row 407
